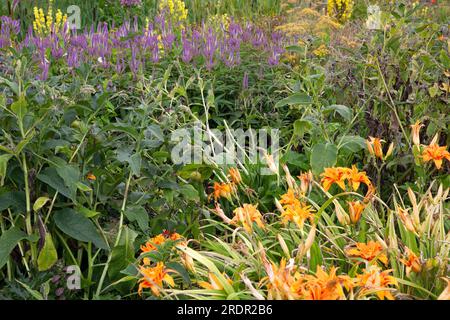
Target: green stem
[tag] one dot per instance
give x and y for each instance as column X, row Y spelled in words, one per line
column 119, row 234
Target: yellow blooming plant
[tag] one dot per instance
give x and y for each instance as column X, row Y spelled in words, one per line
column 340, row 9
column 178, row 13
column 45, row 24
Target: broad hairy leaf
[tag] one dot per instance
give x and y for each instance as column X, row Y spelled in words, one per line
column 323, row 155
column 8, row 240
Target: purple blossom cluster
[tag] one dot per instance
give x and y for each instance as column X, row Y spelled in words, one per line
column 129, row 47
column 9, row 28
column 129, row 3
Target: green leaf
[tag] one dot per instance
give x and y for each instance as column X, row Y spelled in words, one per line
column 82, row 187
column 190, row 192
column 323, row 156
column 20, row 108
column 4, row 158
column 39, row 203
column 135, row 164
column 87, row 213
column 14, row 200
column 50, row 176
column 8, row 241
column 301, row 127
column 123, row 254
column 77, row 226
column 343, row 111
column 36, row 294
column 180, row 270
column 298, row 98
column 122, row 128
column 352, row 143
column 138, row 214
column 48, row 255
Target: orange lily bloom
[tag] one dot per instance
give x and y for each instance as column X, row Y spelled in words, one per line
column 436, row 153
column 322, row 285
column 279, row 280
column 372, row 251
column 356, row 208
column 289, row 198
column 333, row 175
column 90, row 176
column 246, row 215
column 374, row 280
column 153, row 278
column 222, row 190
column 412, row 263
column 235, row 175
column 356, row 177
column 297, row 213
column 374, row 147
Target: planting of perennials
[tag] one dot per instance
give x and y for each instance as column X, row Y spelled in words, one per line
column 224, row 150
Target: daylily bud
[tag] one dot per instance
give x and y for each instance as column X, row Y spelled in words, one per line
column 389, row 151
column 355, row 209
column 415, row 132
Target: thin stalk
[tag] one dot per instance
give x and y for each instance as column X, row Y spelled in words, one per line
column 119, row 234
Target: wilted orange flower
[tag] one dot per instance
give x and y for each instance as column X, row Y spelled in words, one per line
column 415, row 132
column 90, row 176
column 372, row 251
column 246, row 215
column 412, row 263
column 374, row 280
column 153, row 278
column 279, row 280
column 436, row 153
column 406, row 219
column 222, row 190
column 322, row 285
column 235, row 175
column 356, row 208
column 297, row 213
column 214, row 283
column 333, row 175
column 305, row 181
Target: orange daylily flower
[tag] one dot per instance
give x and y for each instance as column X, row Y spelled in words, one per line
column 235, row 175
column 289, row 198
column 297, row 213
column 372, row 251
column 246, row 215
column 412, row 263
column 355, row 177
column 322, row 285
column 90, row 176
column 222, row 190
column 374, row 280
column 154, row 277
column 152, row 243
column 436, row 153
column 355, row 208
column 375, row 148
column 333, row 175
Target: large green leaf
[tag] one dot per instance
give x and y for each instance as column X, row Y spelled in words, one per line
column 8, row 241
column 123, row 254
column 48, row 255
column 298, row 98
column 14, row 200
column 77, row 226
column 138, row 214
column 323, row 155
column 50, row 176
column 344, row 111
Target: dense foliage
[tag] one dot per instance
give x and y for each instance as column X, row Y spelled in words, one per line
column 356, row 208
